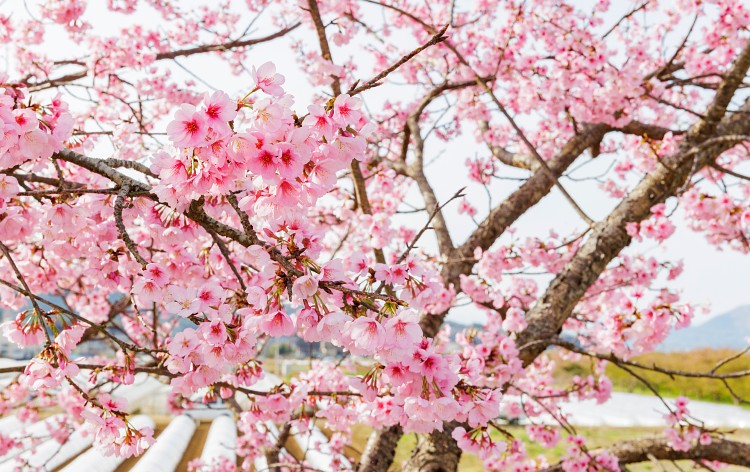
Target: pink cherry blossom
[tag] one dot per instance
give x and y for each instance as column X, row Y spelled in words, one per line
column 219, row 109
column 277, row 324
column 165, row 209
column 188, row 128
column 267, row 79
column 346, row 110
column 367, row 334
column 305, row 287
column 184, row 301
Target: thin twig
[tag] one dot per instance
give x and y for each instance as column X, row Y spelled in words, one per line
column 227, row 257
column 375, row 81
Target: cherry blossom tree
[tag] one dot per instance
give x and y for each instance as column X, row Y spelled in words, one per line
column 181, row 223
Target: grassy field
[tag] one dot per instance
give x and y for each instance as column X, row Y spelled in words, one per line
column 694, row 361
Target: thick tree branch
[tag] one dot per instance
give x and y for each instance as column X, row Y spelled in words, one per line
column 435, row 452
column 609, row 236
column 226, row 46
column 380, row 449
column 416, row 172
column 129, row 243
column 653, row 367
column 513, row 159
column 642, row 450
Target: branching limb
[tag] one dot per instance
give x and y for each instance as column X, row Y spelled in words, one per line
column 272, row 453
column 113, row 162
column 722, row 450
column 129, row 243
column 74, row 76
column 375, row 81
column 712, row 374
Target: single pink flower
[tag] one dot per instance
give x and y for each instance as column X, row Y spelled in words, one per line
column 346, row 110
column 267, row 79
column 305, row 287
column 26, row 120
column 277, row 324
column 219, row 110
column 188, row 129
column 367, row 334
column 319, row 120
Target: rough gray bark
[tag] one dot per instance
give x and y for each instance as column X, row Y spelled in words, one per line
column 642, row 450
column 435, row 452
column 380, row 449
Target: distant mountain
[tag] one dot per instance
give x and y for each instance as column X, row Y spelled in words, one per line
column 728, row 330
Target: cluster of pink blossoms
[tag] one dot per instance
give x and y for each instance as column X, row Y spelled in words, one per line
column 28, row 131
column 294, row 255
column 275, row 162
column 682, row 433
column 578, row 459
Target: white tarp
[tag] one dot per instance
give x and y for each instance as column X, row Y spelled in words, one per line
column 629, row 409
column 50, row 454
column 318, row 452
column 28, row 435
column 221, row 441
column 165, row 454
column 10, row 424
column 95, row 460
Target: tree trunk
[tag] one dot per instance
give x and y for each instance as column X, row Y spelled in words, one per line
column 437, row 452
column 380, row 450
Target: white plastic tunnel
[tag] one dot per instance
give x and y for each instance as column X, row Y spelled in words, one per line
column 28, row 435
column 165, row 454
column 95, row 460
column 221, row 441
column 50, row 454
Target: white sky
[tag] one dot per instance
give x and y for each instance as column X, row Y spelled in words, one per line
column 715, row 279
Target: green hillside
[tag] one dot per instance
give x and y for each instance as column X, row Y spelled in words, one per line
column 702, row 360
